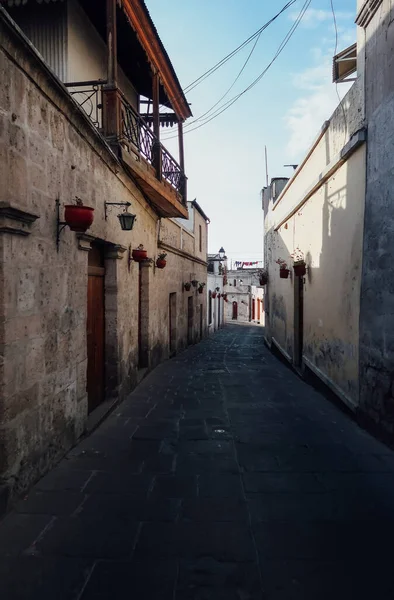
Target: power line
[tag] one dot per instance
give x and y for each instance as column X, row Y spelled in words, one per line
column 230, row 102
column 212, row 70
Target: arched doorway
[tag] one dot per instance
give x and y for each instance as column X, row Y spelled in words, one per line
column 235, row 311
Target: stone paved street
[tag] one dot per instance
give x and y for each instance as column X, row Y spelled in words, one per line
column 223, row 477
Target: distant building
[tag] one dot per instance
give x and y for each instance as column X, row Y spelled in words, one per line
column 245, row 296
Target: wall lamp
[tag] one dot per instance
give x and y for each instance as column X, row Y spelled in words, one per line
column 126, row 219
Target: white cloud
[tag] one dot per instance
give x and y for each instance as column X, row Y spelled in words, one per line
column 315, row 17
column 308, row 113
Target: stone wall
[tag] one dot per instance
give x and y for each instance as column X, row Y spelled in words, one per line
column 50, row 151
column 377, row 314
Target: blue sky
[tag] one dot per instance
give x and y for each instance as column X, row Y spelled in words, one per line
column 224, row 160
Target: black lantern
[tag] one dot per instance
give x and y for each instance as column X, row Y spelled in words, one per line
column 126, row 221
column 221, row 253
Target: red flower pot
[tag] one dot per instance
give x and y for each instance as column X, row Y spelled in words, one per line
column 161, row 263
column 78, row 218
column 200, row 290
column 139, row 255
column 187, row 286
column 263, row 280
column 299, row 269
column 284, row 273
column 213, row 295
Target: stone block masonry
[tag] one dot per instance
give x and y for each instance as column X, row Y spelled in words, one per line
column 49, row 150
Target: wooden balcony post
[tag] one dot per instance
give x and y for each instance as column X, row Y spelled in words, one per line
column 157, row 159
column 112, row 120
column 183, row 188
column 112, row 43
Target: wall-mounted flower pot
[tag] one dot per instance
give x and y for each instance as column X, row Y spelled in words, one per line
column 187, row 286
column 161, row 263
column 263, row 280
column 299, row 269
column 78, row 218
column 139, row 255
column 213, row 295
column 284, row 273
column 194, row 282
column 200, row 290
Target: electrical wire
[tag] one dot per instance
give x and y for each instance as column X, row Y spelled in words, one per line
column 212, row 70
column 230, row 102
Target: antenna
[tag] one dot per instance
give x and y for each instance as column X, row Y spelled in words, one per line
column 266, row 165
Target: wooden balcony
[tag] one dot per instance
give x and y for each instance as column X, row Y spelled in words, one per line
column 155, row 171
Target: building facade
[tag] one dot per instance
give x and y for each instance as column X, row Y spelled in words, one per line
column 215, row 290
column 80, row 320
column 336, row 215
column 245, row 296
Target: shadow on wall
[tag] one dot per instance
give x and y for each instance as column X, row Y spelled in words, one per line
column 315, row 319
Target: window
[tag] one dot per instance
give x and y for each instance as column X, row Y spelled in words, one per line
column 200, row 237
column 235, row 283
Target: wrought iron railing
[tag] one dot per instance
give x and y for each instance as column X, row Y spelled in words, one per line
column 137, row 132
column 136, row 135
column 88, row 94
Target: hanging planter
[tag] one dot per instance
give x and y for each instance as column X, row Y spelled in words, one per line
column 187, row 286
column 78, row 217
column 299, row 268
column 194, row 282
column 214, row 294
column 139, row 254
column 201, row 288
column 161, row 260
column 299, row 264
column 284, row 273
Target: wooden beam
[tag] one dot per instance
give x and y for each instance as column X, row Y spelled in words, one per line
column 181, row 146
column 156, row 124
column 112, row 43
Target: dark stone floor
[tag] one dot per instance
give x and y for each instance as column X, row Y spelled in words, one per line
column 223, row 477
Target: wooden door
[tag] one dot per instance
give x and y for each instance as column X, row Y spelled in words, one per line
column 218, row 312
column 95, row 329
column 201, row 321
column 235, row 311
column 258, row 309
column 298, row 320
column 190, row 320
column 172, row 323
column 253, row 309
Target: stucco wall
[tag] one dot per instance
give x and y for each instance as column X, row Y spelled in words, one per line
column 328, row 229
column 87, row 54
column 49, row 150
column 218, row 305
column 377, row 309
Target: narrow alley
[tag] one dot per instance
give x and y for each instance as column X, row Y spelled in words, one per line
column 223, row 477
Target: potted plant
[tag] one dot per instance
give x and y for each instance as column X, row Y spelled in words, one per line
column 194, row 282
column 283, row 270
column 139, row 254
column 201, row 287
column 187, row 286
column 299, row 264
column 77, row 216
column 263, row 276
column 214, row 294
column 161, row 260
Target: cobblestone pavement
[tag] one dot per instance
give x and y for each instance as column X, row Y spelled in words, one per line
column 223, row 477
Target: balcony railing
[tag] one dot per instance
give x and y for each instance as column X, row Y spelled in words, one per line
column 135, row 134
column 136, row 131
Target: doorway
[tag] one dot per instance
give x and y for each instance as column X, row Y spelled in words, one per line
column 172, row 323
column 201, row 322
column 253, row 309
column 95, row 328
column 218, row 312
column 298, row 320
column 190, row 320
column 235, row 311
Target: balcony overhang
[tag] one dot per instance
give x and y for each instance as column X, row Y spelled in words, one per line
column 166, row 200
